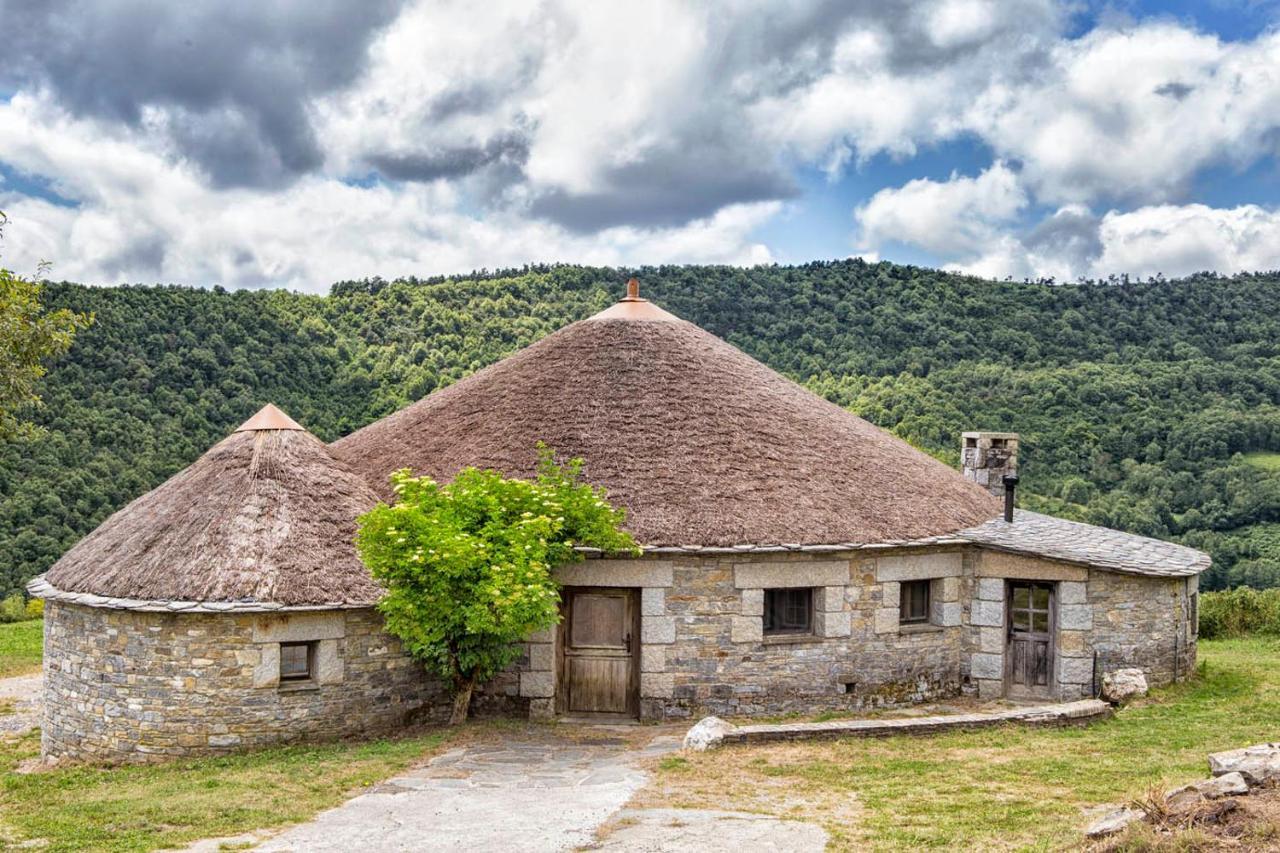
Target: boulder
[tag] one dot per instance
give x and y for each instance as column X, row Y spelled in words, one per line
column 1121, row 685
column 1112, row 823
column 1227, row 785
column 707, row 734
column 1256, row 763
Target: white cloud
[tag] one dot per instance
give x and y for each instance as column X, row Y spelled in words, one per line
column 958, row 217
column 1182, row 239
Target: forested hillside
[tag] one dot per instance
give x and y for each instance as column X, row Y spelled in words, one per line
column 1153, row 407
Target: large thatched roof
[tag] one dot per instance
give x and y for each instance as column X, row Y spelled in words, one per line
column 701, row 443
column 266, row 517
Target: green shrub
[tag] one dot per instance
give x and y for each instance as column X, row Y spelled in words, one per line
column 35, row 608
column 13, row 608
column 1240, row 612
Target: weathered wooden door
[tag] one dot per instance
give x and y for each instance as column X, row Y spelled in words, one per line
column 600, row 640
column 1030, row 652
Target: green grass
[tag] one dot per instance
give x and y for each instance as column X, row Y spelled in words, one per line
column 20, row 647
column 1008, row 788
column 148, row 807
column 1264, row 459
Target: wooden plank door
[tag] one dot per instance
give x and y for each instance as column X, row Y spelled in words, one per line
column 600, row 641
column 1030, row 651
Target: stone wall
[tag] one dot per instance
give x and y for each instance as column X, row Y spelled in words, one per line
column 703, row 649
column 1120, row 620
column 123, row 686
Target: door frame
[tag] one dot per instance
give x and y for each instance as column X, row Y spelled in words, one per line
column 562, row 647
column 1051, row 688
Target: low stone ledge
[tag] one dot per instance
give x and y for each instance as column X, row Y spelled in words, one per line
column 1066, row 713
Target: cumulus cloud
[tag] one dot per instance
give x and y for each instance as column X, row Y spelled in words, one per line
column 958, row 217
column 291, row 143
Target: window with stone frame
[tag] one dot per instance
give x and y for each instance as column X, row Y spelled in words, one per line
column 297, row 662
column 914, row 602
column 788, row 611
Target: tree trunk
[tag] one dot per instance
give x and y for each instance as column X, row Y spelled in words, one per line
column 461, row 701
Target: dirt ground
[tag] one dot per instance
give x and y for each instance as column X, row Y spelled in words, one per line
column 1253, row 824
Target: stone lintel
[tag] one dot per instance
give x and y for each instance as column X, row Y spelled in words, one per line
column 1000, row 564
column 790, row 575
column 919, row 567
column 299, row 627
column 620, row 573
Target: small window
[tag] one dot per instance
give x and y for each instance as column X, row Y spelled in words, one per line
column 296, row 660
column 788, row 611
column 914, row 603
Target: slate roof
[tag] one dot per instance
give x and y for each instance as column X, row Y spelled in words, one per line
column 1100, row 547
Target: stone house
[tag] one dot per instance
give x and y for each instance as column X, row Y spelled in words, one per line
column 796, row 558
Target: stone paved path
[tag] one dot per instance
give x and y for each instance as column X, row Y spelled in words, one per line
column 708, row 831
column 527, row 796
column 24, row 690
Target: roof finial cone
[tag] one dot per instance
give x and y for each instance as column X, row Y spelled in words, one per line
column 633, row 290
column 269, row 417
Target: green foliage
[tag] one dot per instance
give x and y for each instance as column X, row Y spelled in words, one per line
column 1241, row 612
column 30, row 335
column 34, row 608
column 1139, row 403
column 13, row 608
column 467, row 565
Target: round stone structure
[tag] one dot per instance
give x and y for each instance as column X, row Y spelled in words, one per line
column 225, row 609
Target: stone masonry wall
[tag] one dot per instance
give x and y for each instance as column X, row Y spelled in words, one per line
column 124, row 686
column 1125, row 620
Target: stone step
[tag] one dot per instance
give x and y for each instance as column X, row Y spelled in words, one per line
column 1059, row 714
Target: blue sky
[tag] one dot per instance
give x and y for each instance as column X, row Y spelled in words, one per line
column 310, row 141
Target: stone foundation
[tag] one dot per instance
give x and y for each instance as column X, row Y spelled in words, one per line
column 125, row 686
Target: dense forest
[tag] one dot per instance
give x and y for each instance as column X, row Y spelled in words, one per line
column 1149, row 406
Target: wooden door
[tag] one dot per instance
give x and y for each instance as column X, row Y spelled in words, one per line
column 599, row 642
column 1030, row 652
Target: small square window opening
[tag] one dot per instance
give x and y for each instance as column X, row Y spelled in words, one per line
column 296, row 661
column 914, row 602
column 788, row 611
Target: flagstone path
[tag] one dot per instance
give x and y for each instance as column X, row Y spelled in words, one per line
column 24, row 691
column 545, row 795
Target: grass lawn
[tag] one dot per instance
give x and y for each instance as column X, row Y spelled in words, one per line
column 1263, row 459
column 20, row 644
column 149, row 807
column 1010, row 788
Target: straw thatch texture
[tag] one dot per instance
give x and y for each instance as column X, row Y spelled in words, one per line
column 265, row 516
column 702, row 444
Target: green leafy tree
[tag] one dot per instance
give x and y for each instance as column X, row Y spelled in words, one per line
column 467, row 565
column 29, row 336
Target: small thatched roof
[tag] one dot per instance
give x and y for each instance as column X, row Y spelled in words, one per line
column 267, row 517
column 701, row 443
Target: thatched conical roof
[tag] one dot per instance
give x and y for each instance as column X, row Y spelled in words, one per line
column 702, row 444
column 267, row 516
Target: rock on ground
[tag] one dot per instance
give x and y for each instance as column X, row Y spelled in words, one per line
column 709, row 831
column 1113, row 822
column 1121, row 685
column 1256, row 764
column 707, row 734
column 1227, row 785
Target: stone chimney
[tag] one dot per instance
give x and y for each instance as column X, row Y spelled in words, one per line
column 987, row 457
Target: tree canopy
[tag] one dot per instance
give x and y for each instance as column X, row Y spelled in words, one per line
column 467, row 565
